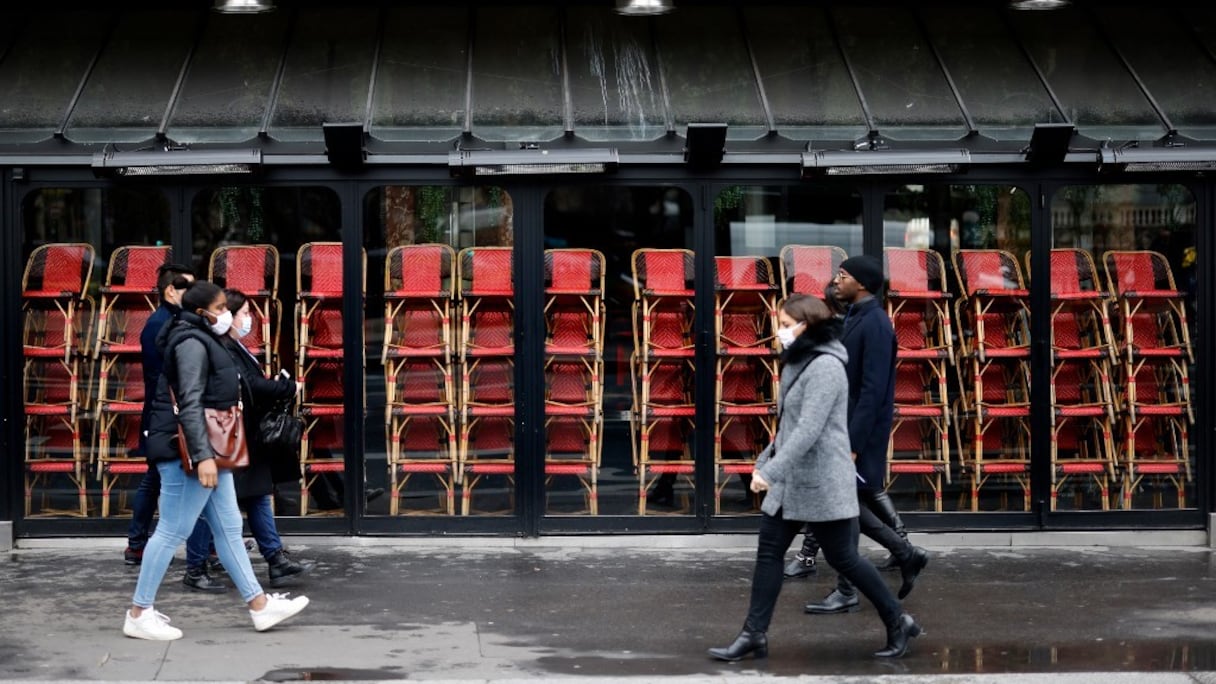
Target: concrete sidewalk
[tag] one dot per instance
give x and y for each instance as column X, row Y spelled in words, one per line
column 585, row 610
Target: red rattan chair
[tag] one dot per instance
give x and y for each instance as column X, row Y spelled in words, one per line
column 52, row 433
column 54, row 291
column 1155, row 448
column 487, row 303
column 119, row 412
column 1147, row 297
column 917, row 289
column 254, row 271
column 809, row 269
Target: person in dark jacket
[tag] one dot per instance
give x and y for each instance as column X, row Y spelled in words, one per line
column 198, row 374
column 870, row 341
column 255, row 484
column 171, row 281
column 810, row 479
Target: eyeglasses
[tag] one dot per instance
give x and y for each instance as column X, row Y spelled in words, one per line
column 841, row 275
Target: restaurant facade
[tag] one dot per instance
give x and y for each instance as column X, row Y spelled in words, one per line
column 526, row 260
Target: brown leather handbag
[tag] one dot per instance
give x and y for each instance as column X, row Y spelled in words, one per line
column 225, row 431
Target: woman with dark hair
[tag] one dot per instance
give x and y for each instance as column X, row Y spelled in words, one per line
column 198, row 374
column 255, row 484
column 810, row 479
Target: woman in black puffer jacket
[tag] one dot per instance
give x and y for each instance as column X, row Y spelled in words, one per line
column 255, row 484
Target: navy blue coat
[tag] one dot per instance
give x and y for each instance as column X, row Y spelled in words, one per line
column 870, row 340
column 153, row 363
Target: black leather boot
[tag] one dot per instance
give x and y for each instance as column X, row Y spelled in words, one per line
column 910, row 569
column 835, row 602
column 747, row 642
column 197, row 579
column 898, row 636
column 284, row 570
column 884, row 508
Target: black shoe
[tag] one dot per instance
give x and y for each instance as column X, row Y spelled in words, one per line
column 132, row 556
column 284, row 570
column 198, row 580
column 835, row 602
column 662, row 496
column 911, row 568
column 800, row 567
column 747, row 642
column 891, row 563
column 373, row 493
column 898, row 637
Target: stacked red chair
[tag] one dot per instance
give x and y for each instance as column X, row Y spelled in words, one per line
column 663, row 367
column 746, row 376
column 1081, row 398
column 254, row 271
column 129, row 296
column 809, row 269
column 487, row 367
column 992, row 416
column 57, row 309
column 1153, row 346
column 320, row 360
column 919, row 306
column 420, row 410
column 574, row 368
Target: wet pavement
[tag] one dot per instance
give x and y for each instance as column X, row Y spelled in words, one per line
column 458, row 609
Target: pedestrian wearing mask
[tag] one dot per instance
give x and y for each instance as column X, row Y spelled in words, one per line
column 255, row 484
column 810, row 479
column 198, row 374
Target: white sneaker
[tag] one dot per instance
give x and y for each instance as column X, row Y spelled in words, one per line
column 277, row 609
column 150, row 625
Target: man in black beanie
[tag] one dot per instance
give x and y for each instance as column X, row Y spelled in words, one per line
column 869, row 339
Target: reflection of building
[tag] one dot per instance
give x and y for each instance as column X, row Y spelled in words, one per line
column 566, row 128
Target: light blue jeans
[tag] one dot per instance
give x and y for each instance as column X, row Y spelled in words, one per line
column 182, row 500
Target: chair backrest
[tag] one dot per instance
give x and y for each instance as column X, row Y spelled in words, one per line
column 742, row 273
column 808, row 269
column 319, row 269
column 913, row 270
column 568, row 383
column 252, row 269
column 910, row 384
column 419, row 382
column 981, row 270
column 739, row 385
column 135, row 268
column 668, row 384
column 60, row 269
column 1072, row 272
column 663, row 272
column 492, row 381
column 566, row 437
column 1138, row 271
column 419, row 271
column 486, row 272
column 574, row 271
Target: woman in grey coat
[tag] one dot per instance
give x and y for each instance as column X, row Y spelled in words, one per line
column 810, row 479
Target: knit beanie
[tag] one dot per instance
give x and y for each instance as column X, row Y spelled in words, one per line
column 867, row 270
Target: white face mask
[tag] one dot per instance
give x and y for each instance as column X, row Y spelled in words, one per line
column 222, row 323
column 245, row 327
column 787, row 335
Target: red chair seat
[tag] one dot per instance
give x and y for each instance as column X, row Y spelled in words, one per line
column 120, row 348
column 491, row 468
column 328, row 467
column 127, row 289
column 566, row 469
column 660, row 353
column 1082, row 467
column 44, row 410
column 46, row 294
column 1157, row 468
column 40, row 352
column 921, row 354
column 395, row 352
column 492, row 411
column 569, row 350
column 747, row 351
column 738, row 468
column 414, row 294
column 918, row 294
column 748, row 410
column 672, row 411
column 1157, row 352
column 52, row 466
column 324, row 352
column 1153, row 294
column 671, row 468
column 1076, row 296
column 569, row 291
column 126, row 468
column 122, row 407
column 1095, row 353
column 919, row 411
column 1080, row 411
column 668, row 293
column 491, row 351
column 999, row 467
column 501, row 292
column 420, row 409
column 321, row 294
column 1006, row 352
column 565, row 410
column 916, row 468
column 424, row 467
column 1157, row 410
column 1007, row 411
column 321, row 410
column 987, row 292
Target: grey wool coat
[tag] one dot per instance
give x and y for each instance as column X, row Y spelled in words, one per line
column 808, row 467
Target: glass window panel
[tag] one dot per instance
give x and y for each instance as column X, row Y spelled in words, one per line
column 72, row 241
column 1139, row 243
column 42, row 70
column 614, row 78
column 991, row 225
column 709, row 76
column 1095, row 89
column 517, row 74
column 420, row 87
column 794, row 237
column 901, row 80
column 994, row 78
column 226, row 92
column 1174, row 68
column 126, row 95
column 328, row 71
column 440, row 399
column 805, row 79
column 594, row 232
column 237, row 232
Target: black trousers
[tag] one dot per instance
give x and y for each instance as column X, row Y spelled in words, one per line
column 838, row 538
column 874, row 504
